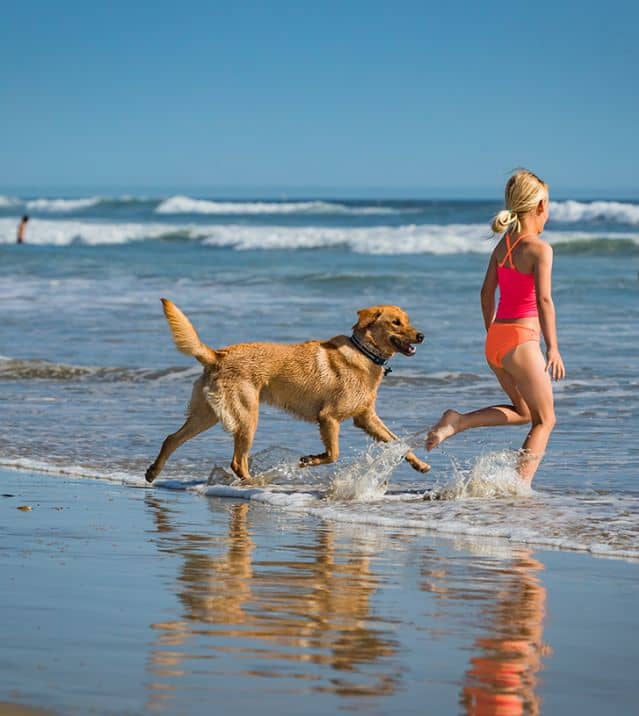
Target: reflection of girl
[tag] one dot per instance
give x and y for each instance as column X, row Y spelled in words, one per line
column 502, row 678
column 521, row 267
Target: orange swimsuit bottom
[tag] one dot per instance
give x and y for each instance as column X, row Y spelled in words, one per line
column 503, row 338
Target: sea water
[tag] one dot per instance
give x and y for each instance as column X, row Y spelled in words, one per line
column 90, row 382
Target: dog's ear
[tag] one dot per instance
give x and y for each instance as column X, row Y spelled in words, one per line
column 366, row 317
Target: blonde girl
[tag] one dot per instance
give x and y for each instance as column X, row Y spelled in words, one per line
column 521, row 266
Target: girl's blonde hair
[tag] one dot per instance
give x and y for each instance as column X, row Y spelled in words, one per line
column 524, row 190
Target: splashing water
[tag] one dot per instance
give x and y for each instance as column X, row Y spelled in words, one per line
column 491, row 475
column 269, row 466
column 366, row 479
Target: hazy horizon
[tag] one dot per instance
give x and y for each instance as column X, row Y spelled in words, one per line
column 274, row 192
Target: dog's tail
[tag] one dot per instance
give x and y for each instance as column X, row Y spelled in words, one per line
column 185, row 336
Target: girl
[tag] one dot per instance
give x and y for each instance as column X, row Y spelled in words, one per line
column 521, row 267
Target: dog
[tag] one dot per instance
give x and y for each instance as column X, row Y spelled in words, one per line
column 325, row 382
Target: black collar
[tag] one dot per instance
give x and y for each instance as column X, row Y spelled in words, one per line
column 371, row 355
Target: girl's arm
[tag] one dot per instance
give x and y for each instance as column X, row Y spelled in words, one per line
column 488, row 292
column 546, row 309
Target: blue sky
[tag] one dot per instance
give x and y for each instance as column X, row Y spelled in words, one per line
column 344, row 97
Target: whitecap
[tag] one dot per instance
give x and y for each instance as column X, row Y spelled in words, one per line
column 573, row 211
column 187, row 205
column 60, row 206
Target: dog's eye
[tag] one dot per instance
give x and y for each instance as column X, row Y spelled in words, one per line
column 397, row 322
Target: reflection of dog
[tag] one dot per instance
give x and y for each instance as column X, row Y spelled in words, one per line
column 324, row 382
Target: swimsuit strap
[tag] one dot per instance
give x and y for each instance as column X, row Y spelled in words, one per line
column 509, row 252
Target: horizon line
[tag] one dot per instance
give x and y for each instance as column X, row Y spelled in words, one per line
column 283, row 192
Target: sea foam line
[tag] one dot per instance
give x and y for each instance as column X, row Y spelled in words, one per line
column 575, row 211
column 381, row 240
column 565, row 211
column 462, row 516
column 187, row 205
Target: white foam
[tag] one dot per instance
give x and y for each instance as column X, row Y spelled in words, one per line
column 406, row 239
column 48, row 232
column 188, row 205
column 605, row 525
column 573, row 211
column 491, row 475
column 378, row 240
column 74, row 471
column 278, row 498
column 568, row 211
column 366, row 479
column 60, row 206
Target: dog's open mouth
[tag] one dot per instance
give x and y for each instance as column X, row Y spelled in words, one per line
column 408, row 349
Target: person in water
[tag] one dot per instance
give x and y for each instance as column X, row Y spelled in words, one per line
column 22, row 227
column 521, row 266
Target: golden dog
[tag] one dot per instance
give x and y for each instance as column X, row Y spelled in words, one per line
column 324, row 382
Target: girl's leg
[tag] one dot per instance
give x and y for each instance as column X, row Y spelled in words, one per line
column 452, row 422
column 527, row 366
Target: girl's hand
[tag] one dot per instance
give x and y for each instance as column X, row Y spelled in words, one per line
column 555, row 365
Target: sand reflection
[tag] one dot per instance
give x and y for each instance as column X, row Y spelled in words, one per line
column 307, row 604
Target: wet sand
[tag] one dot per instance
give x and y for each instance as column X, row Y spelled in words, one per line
column 119, row 600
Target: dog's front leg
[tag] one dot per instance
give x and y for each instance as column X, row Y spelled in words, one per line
column 373, row 425
column 329, row 432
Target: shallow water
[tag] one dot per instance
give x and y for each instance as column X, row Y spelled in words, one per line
column 90, row 382
column 121, row 601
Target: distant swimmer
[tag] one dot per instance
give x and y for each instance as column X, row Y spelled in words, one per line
column 521, row 267
column 22, row 227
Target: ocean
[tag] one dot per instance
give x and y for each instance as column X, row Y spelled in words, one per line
column 90, row 382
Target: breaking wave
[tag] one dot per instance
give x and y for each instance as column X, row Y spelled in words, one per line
column 188, row 205
column 593, row 211
column 380, row 240
column 61, row 206
column 622, row 213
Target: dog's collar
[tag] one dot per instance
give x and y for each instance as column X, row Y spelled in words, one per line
column 371, row 354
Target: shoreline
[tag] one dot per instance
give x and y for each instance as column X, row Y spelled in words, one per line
column 305, row 507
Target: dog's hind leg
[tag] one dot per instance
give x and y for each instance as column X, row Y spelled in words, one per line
column 245, row 418
column 200, row 418
column 329, row 432
column 194, row 425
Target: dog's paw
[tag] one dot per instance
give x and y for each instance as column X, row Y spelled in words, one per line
column 310, row 460
column 150, row 474
column 418, row 464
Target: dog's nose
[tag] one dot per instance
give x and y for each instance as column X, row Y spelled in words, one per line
column 419, row 337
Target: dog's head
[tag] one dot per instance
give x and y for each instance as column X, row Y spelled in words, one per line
column 388, row 329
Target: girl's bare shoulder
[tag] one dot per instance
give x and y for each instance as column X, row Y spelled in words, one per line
column 540, row 249
column 499, row 250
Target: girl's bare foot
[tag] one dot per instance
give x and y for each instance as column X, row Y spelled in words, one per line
column 447, row 426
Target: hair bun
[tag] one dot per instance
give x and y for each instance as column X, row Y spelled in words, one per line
column 503, row 220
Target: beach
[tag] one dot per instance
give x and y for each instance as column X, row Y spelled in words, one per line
column 345, row 587
column 130, row 601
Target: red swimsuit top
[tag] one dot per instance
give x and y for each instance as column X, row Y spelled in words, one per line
column 517, row 295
